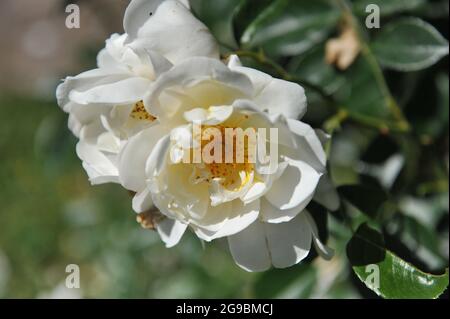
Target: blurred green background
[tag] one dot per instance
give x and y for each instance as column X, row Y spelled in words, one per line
column 51, row 217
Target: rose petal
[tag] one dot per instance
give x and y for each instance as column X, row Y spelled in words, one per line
column 172, row 30
column 295, row 187
column 126, row 91
column 273, row 95
column 134, row 156
column 170, row 231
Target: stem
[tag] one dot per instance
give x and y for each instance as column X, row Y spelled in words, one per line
column 335, row 122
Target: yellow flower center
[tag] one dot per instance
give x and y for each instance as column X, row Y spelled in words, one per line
column 229, row 171
column 140, row 113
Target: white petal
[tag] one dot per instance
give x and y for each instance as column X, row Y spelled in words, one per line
column 137, row 13
column 155, row 162
column 273, row 95
column 97, row 178
column 282, row 245
column 249, row 248
column 159, row 63
column 74, row 125
column 295, row 187
column 97, row 165
column 274, row 215
column 191, row 73
column 85, row 81
column 214, row 115
column 264, row 182
column 170, row 231
column 177, row 154
column 86, row 114
column 220, row 194
column 196, row 115
column 182, row 142
column 211, row 220
column 133, row 158
column 172, row 31
column 324, row 251
column 91, row 132
column 109, row 143
column 127, row 91
column 289, row 243
column 218, row 114
column 105, row 60
column 186, row 3
column 309, row 145
column 234, row 61
column 149, row 64
column 142, row 201
column 257, row 190
column 115, row 47
column 242, row 217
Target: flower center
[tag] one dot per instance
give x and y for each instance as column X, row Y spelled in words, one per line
column 234, row 165
column 140, row 113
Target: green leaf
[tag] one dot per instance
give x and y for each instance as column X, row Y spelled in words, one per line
column 423, row 241
column 435, row 9
column 366, row 247
column 313, row 68
column 290, row 27
column 409, row 44
column 436, row 125
column 217, row 15
column 387, row 274
column 362, row 96
column 368, row 199
column 246, row 14
column 387, row 7
column 294, row 282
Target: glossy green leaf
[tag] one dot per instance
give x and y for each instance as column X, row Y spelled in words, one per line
column 409, row 44
column 438, row 9
column 423, row 241
column 435, row 126
column 291, row 27
column 294, row 282
column 313, row 68
column 387, row 274
column 246, row 14
column 368, row 199
column 217, row 15
column 362, row 95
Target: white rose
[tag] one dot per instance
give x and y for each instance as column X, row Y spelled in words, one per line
column 262, row 212
column 104, row 104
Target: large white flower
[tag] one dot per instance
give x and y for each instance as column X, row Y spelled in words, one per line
column 105, row 104
column 262, row 210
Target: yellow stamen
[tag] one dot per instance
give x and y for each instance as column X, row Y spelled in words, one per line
column 140, row 113
column 229, row 172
